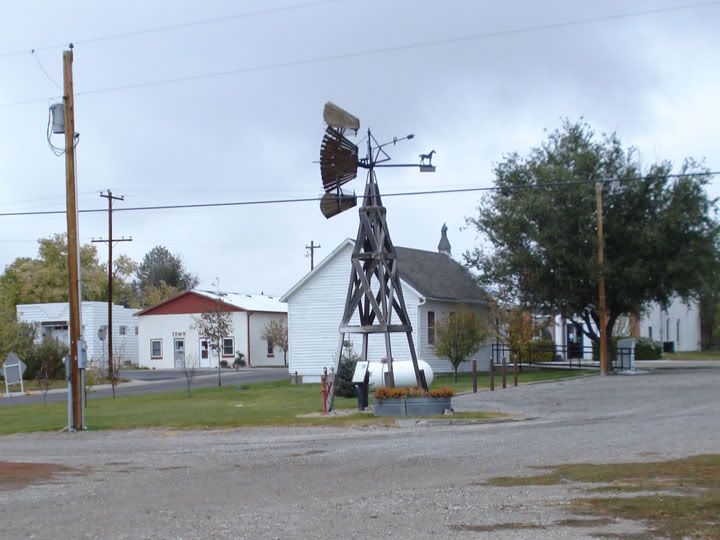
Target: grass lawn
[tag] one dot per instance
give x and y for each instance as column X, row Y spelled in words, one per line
column 696, row 355
column 264, row 404
column 464, row 383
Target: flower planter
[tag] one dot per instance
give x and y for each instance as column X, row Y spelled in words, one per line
column 415, row 406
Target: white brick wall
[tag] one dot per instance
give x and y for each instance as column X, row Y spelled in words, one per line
column 93, row 316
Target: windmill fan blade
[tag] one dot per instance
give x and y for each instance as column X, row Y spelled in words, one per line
column 333, row 204
column 338, row 159
column 338, row 118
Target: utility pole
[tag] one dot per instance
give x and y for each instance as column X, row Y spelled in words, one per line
column 311, row 249
column 109, row 196
column 601, row 281
column 72, row 238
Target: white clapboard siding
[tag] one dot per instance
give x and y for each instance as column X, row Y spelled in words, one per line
column 315, row 308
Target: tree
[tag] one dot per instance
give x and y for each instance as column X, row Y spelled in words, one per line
column 516, row 328
column 276, row 333
column 660, row 238
column 45, row 278
column 344, row 386
column 188, row 364
column 162, row 274
column 459, row 337
column 214, row 325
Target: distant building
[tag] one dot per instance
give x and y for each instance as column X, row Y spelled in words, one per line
column 677, row 328
column 52, row 319
column 433, row 285
column 168, row 334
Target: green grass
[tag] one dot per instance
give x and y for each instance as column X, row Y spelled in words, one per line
column 464, row 383
column 696, row 355
column 265, row 404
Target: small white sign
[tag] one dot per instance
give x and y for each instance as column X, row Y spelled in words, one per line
column 13, row 370
column 360, row 372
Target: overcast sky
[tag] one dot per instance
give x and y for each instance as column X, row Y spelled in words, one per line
column 255, row 134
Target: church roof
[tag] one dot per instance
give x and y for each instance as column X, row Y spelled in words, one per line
column 437, row 276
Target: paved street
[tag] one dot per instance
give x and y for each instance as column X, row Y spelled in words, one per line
column 155, row 381
column 421, row 482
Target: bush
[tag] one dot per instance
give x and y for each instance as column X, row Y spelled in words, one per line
column 645, row 348
column 224, row 364
column 344, row 386
column 541, row 350
column 50, row 354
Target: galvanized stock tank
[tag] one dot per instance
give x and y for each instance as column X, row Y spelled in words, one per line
column 403, row 370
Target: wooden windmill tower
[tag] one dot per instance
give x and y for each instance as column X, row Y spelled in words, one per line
column 374, row 292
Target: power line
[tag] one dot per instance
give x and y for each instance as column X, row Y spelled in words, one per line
column 189, row 24
column 397, row 194
column 369, row 52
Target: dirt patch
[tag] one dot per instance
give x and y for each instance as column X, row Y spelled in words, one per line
column 676, row 499
column 14, row 475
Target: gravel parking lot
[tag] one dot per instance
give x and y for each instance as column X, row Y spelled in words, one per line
column 417, row 482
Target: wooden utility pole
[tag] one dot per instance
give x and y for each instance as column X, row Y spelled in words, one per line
column 109, row 337
column 72, row 239
column 601, row 280
column 311, row 248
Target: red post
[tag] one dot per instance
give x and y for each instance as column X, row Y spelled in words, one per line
column 323, row 391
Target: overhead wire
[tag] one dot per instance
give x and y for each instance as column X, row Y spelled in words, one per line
column 376, row 51
column 189, row 24
column 396, row 194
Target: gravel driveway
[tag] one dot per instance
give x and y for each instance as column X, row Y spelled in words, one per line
column 422, row 482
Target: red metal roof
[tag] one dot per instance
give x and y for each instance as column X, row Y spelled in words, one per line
column 187, row 302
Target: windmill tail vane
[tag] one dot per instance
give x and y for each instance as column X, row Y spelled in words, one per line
column 375, row 296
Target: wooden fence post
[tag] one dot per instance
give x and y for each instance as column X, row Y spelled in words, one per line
column 474, row 376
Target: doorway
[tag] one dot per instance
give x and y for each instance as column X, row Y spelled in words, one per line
column 204, row 354
column 179, row 353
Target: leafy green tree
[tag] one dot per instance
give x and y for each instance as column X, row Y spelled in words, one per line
column 17, row 337
column 45, row 278
column 344, row 386
column 162, row 274
column 660, row 236
column 459, row 337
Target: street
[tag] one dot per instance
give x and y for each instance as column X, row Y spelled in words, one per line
column 420, row 482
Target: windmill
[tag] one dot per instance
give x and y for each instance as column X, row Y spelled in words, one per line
column 374, row 292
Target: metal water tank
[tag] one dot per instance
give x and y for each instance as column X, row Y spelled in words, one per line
column 403, row 371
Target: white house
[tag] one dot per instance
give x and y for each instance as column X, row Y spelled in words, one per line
column 168, row 333
column 433, row 285
column 679, row 324
column 676, row 328
column 52, row 321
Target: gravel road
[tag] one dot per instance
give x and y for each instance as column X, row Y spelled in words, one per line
column 421, row 482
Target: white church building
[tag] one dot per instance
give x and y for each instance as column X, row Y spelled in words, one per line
column 433, row 285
